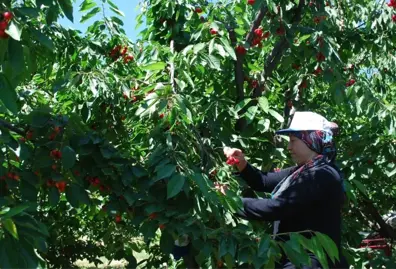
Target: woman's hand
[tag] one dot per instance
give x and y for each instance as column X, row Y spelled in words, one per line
column 235, row 157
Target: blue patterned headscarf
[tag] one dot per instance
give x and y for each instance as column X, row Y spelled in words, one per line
column 320, row 142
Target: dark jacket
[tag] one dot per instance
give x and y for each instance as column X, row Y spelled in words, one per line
column 312, row 202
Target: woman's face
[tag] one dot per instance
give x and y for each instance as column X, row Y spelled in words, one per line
column 299, row 151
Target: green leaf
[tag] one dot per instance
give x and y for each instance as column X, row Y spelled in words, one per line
column 263, row 102
column 264, row 246
column 5, row 259
column 117, row 11
column 8, row 95
column 211, row 46
column 90, row 14
column 127, row 177
column 251, row 113
column 329, row 246
column 53, row 196
column 154, row 66
column 175, row 185
column 28, row 11
column 360, row 186
column 242, row 104
column 43, row 39
column 166, row 242
column 189, row 80
column 305, row 37
column 165, row 171
column 14, row 31
column 213, row 61
column 10, row 226
column 230, row 50
column 68, row 157
column 221, row 50
column 319, row 253
column 198, row 47
column 87, row 4
column 16, row 57
column 67, row 7
column 132, row 262
column 276, row 115
column 15, row 211
column 76, row 195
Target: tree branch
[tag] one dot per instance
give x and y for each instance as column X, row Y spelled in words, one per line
column 256, row 23
column 11, row 127
column 278, row 50
column 239, row 74
column 385, row 229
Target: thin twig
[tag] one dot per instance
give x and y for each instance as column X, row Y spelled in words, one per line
column 172, row 66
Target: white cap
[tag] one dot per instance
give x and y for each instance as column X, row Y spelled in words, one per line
column 307, row 121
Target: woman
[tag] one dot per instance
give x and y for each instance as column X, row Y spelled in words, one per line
column 308, row 196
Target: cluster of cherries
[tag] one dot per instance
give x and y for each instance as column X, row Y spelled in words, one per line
column 118, row 52
column 5, row 18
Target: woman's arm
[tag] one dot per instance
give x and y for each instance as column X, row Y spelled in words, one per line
column 263, row 181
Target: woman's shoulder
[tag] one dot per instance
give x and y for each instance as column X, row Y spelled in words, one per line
column 327, row 171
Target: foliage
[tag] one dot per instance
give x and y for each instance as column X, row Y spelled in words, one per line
column 104, row 140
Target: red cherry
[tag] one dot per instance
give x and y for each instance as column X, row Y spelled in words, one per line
column 124, row 51
column 118, row 218
column 241, row 50
column 350, row 82
column 318, row 71
column 213, row 31
column 3, row 25
column 394, row 17
column 266, row 34
column 251, row 2
column 162, row 226
column 296, row 66
column 8, row 15
column 258, row 32
column 198, row 10
column 303, row 85
column 29, row 135
column 61, row 185
column 50, row 183
column 161, row 115
column 153, row 216
column 320, row 57
column 54, row 167
column 280, row 31
column 3, row 34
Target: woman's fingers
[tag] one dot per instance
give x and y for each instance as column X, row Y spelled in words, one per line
column 232, row 152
